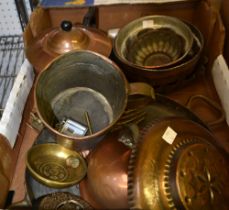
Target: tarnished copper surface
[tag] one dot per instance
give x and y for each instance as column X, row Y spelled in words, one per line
column 89, row 83
column 106, row 183
column 56, row 41
column 181, row 174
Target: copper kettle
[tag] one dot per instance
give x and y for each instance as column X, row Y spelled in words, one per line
column 67, row 37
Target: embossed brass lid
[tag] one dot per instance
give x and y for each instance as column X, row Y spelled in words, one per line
column 59, row 40
column 178, row 165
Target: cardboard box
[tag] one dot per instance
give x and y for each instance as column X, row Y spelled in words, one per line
column 200, row 13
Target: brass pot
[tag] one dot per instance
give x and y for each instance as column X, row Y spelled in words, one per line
column 82, row 82
column 59, row 40
column 161, row 76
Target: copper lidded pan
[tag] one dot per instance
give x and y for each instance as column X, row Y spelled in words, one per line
column 67, row 37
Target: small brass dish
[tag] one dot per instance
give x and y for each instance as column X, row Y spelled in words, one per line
column 55, row 166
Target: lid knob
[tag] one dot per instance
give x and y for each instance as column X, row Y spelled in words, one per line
column 66, row 25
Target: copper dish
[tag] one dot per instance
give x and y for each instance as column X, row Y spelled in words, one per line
column 153, row 42
column 164, row 76
column 177, row 164
column 55, row 166
column 56, row 41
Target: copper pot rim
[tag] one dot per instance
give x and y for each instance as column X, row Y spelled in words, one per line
column 170, row 66
column 102, row 131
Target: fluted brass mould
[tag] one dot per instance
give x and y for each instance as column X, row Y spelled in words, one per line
column 190, row 172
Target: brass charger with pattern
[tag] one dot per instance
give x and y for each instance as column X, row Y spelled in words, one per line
column 177, row 164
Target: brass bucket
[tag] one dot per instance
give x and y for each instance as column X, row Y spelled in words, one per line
column 79, row 83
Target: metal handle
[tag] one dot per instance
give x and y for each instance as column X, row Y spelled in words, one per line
column 141, row 88
column 210, row 102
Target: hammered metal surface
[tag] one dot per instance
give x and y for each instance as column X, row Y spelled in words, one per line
column 188, row 173
column 202, row 178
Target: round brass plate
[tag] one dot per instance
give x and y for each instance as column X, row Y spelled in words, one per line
column 178, row 165
column 55, row 166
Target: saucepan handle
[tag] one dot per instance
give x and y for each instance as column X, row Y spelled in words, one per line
column 210, row 102
column 141, row 88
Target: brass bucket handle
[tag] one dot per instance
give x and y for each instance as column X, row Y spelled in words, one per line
column 213, row 104
column 141, row 88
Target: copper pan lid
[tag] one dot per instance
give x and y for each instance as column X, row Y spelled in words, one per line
column 178, row 165
column 56, row 41
column 66, row 38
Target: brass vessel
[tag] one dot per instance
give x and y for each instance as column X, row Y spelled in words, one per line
column 178, row 164
column 55, row 166
column 57, row 41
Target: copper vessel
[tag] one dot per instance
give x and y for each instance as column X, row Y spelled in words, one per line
column 177, row 164
column 80, row 82
column 105, row 186
column 56, row 41
column 161, row 76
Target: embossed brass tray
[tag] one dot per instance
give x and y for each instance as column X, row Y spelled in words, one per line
column 177, row 164
column 55, row 166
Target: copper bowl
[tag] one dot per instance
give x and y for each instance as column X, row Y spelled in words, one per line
column 159, row 77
